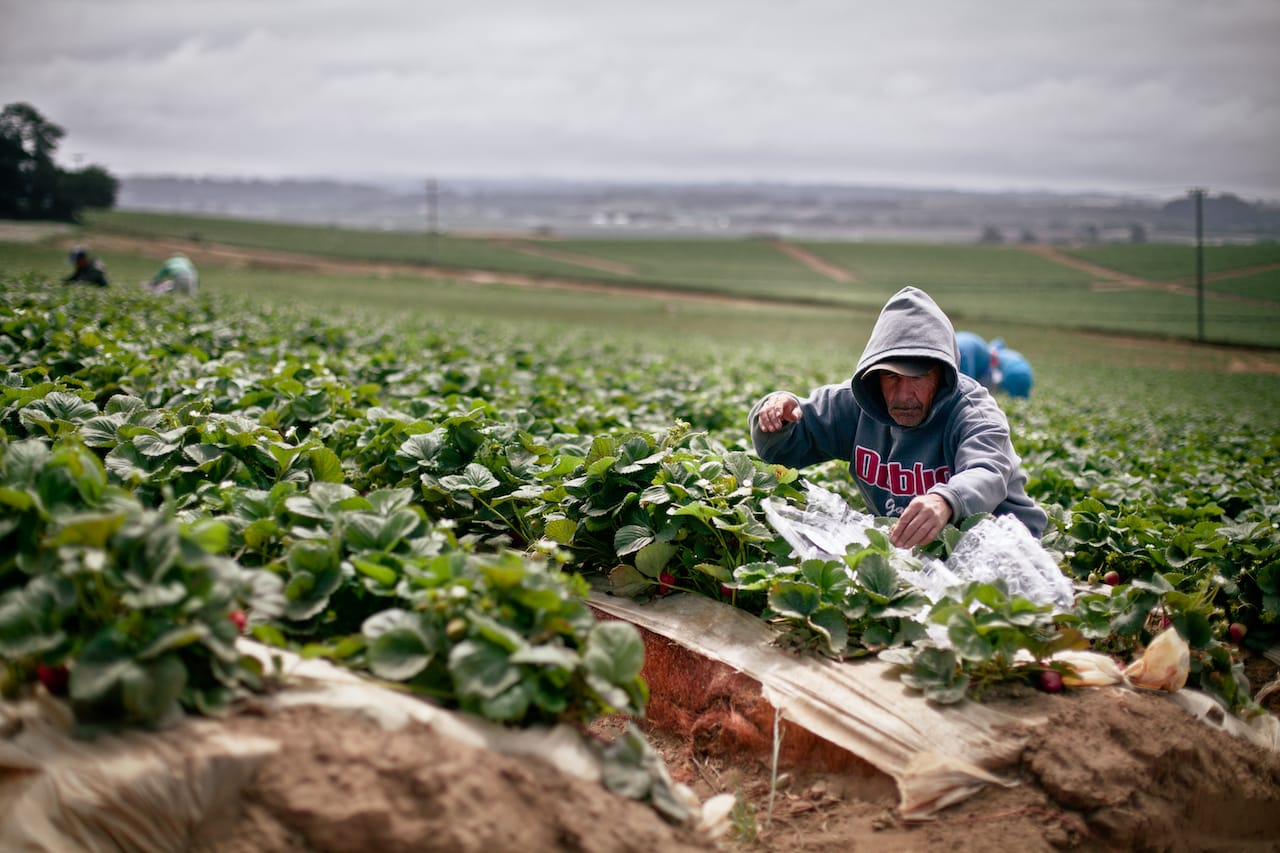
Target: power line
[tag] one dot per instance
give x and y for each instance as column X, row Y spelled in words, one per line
column 1197, row 193
column 433, row 222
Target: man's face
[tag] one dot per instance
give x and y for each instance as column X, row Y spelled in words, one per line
column 908, row 398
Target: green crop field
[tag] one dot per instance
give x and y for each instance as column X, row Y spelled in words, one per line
column 1162, row 262
column 978, row 285
column 417, row 474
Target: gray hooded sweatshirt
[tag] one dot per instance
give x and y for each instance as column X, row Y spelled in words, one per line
column 961, row 450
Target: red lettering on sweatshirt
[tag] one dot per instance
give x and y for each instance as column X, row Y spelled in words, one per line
column 892, row 477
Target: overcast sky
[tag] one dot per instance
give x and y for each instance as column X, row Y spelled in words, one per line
column 1136, row 96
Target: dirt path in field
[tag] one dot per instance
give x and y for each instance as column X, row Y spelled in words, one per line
column 31, row 232
column 1236, row 273
column 813, row 262
column 587, row 261
column 798, row 253
column 1186, row 354
column 1110, row 279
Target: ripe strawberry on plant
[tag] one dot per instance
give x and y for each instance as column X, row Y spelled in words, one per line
column 666, row 582
column 239, row 619
column 54, row 678
column 1050, row 681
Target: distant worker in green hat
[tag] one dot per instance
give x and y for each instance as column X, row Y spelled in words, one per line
column 178, row 275
column 85, row 268
column 925, row 443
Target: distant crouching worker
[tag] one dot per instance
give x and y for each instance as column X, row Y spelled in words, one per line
column 976, row 357
column 178, row 275
column 1012, row 370
column 994, row 364
column 85, row 268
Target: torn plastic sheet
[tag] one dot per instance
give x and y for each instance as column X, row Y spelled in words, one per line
column 937, row 754
column 999, row 547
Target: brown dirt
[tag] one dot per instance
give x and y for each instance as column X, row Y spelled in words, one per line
column 343, row 784
column 1176, row 354
column 813, row 262
column 13, row 231
column 575, row 258
column 1112, row 770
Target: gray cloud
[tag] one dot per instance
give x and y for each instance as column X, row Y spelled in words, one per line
column 1126, row 95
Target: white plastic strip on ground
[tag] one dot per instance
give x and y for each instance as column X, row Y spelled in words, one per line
column 138, row 791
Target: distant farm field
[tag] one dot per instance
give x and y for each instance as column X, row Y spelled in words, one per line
column 1060, row 317
column 1143, row 289
column 1161, row 262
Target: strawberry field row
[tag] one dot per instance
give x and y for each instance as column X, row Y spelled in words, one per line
column 424, row 500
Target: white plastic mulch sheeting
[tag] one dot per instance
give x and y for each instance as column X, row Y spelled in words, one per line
column 132, row 791
column 939, row 755
column 999, row 547
column 150, row 791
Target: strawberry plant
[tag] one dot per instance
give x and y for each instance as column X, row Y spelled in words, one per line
column 844, row 608
column 678, row 504
column 132, row 604
column 504, row 637
column 989, row 629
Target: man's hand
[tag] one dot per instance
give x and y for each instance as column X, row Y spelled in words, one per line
column 778, row 410
column 921, row 521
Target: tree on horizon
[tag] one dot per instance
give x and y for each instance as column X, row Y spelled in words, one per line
column 32, row 186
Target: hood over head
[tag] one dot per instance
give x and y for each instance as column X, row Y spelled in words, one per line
column 911, row 333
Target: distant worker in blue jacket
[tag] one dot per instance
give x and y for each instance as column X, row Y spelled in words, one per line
column 994, row 364
column 975, row 357
column 1011, row 370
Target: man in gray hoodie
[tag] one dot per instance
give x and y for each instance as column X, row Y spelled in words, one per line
column 924, row 442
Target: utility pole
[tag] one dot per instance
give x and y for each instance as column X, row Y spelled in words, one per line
column 433, row 222
column 1198, row 194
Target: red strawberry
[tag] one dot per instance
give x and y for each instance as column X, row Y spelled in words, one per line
column 1050, row 681
column 239, row 619
column 666, row 581
column 54, row 678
